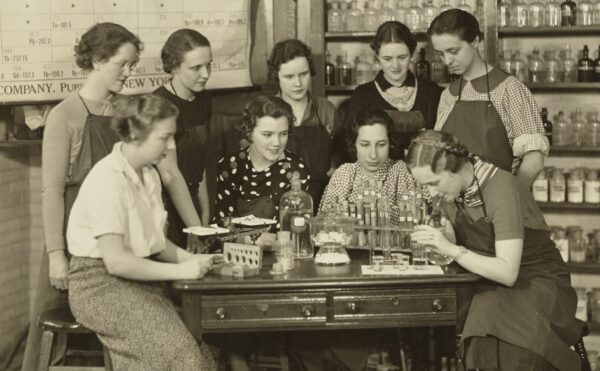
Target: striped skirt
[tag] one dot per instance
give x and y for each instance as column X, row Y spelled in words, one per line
column 134, row 319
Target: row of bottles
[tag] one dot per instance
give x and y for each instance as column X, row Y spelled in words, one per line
column 579, row 131
column 539, row 13
column 573, row 245
column 578, row 185
column 417, row 15
column 553, row 67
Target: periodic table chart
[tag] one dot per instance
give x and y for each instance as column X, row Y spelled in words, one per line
column 37, row 38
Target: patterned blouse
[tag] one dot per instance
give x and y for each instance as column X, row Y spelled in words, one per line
column 237, row 178
column 515, row 105
column 349, row 181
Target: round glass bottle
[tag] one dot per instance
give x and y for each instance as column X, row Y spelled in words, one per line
column 593, row 137
column 557, row 186
column 518, row 67
column 504, row 13
column 569, row 66
column 592, row 187
column 505, row 62
column 553, row 67
column 518, row 15
column 561, row 135
column 334, row 18
column 576, row 245
column 552, row 13
column 537, row 68
column 540, row 187
column 355, row 18
column 535, row 14
column 585, row 13
column 575, row 186
column 579, row 128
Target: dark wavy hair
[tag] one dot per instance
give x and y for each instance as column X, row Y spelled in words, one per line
column 101, row 42
column 135, row 115
column 455, row 22
column 283, row 52
column 393, row 32
column 370, row 116
column 439, row 150
column 261, row 106
column 179, row 43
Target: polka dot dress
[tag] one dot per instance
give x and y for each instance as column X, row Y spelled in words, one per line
column 237, row 178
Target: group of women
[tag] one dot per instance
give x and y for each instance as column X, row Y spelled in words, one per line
column 107, row 157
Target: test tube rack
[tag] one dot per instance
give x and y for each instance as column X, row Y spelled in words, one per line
column 241, row 260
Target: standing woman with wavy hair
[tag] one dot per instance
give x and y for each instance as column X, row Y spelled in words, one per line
column 187, row 57
column 77, row 135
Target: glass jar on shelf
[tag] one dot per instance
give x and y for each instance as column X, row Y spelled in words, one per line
column 535, row 14
column 548, row 127
column 362, row 70
column 439, row 71
column 569, row 66
column 580, row 129
column 568, row 13
column 430, row 11
column 596, row 13
column 504, row 13
column 345, row 75
column 334, row 18
column 575, row 186
column 552, row 67
column 400, row 12
column 518, row 16
column 592, row 187
column 537, row 68
column 330, row 73
column 576, row 245
column 445, row 6
column 557, row 186
column 559, row 236
column 355, row 18
column 561, row 134
column 518, row 67
column 593, row 137
column 414, row 16
column 585, row 13
column 386, row 11
column 371, row 16
column 504, row 62
column 464, row 6
column 540, row 187
column 552, row 13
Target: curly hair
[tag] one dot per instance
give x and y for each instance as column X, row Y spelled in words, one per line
column 135, row 115
column 179, row 43
column 393, row 32
column 261, row 106
column 283, row 52
column 370, row 116
column 439, row 150
column 455, row 22
column 101, row 42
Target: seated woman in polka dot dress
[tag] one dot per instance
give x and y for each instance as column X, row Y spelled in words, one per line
column 252, row 180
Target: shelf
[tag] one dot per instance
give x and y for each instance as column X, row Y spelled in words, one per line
column 584, row 268
column 574, row 151
column 361, row 35
column 19, row 143
column 561, row 87
column 569, row 207
column 347, row 89
column 549, row 31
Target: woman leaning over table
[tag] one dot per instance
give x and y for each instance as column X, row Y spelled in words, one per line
column 411, row 102
column 120, row 254
column 489, row 111
column 187, row 56
column 522, row 316
column 77, row 135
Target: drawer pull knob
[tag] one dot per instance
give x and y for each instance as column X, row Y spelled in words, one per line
column 221, row 313
column 307, row 311
column 396, row 301
column 437, row 305
column 351, row 307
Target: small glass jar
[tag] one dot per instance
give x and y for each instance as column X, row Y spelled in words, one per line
column 576, row 245
column 540, row 187
column 569, row 71
column 537, row 68
column 519, row 69
column 592, row 187
column 575, row 186
column 552, row 13
column 579, row 128
column 535, row 14
column 518, row 15
column 552, row 67
column 557, row 186
column 504, row 13
column 593, row 137
column 561, row 135
column 585, row 13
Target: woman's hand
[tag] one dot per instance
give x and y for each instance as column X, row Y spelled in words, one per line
column 434, row 238
column 58, row 269
column 195, row 267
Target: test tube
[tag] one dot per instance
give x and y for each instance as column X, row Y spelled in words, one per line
column 359, row 215
column 373, row 232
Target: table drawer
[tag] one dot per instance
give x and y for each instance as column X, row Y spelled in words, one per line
column 256, row 312
column 396, row 307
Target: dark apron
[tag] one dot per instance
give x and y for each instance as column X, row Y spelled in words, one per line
column 314, row 146
column 406, row 126
column 97, row 141
column 477, row 125
column 537, row 313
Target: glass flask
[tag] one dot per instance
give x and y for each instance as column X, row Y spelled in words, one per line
column 585, row 13
column 504, row 13
column 371, row 16
column 518, row 16
column 585, row 66
column 430, row 11
column 414, row 16
column 518, row 68
column 432, row 256
column 561, row 135
column 504, row 62
column 362, row 70
column 552, row 67
column 295, row 209
column 579, row 126
column 568, row 13
column 535, row 14
column 552, row 13
column 537, row 68
column 569, row 66
column 355, row 18
column 334, row 18
column 593, row 138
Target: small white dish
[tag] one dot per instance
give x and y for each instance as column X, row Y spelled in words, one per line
column 252, row 221
column 206, row 230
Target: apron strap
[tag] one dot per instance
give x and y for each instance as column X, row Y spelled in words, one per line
column 85, row 105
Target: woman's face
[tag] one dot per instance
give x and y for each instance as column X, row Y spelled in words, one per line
column 294, row 79
column 195, row 68
column 372, row 147
column 444, row 184
column 115, row 71
column 457, row 54
column 269, row 138
column 394, row 59
column 159, row 141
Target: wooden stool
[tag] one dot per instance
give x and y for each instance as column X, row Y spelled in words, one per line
column 60, row 322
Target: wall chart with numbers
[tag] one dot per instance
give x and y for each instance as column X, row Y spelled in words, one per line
column 37, row 38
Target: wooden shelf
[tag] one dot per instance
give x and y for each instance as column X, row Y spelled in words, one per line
column 548, row 31
column 361, row 35
column 585, row 268
column 569, row 207
column 562, row 87
column 574, row 151
column 19, row 143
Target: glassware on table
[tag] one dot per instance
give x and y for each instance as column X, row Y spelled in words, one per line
column 295, row 208
column 432, row 256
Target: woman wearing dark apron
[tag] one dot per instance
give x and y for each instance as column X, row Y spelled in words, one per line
column 522, row 315
column 77, row 135
column 315, row 118
column 251, row 182
column 187, row 56
column 412, row 103
column 489, row 111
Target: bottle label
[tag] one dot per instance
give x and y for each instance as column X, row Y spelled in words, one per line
column 575, row 191
column 299, row 221
column 540, row 190
column 557, row 193
column 592, row 191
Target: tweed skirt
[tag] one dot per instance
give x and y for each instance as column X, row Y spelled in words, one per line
column 134, row 319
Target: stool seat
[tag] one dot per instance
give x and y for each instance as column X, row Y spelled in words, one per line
column 61, row 320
